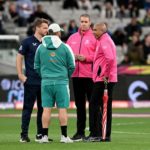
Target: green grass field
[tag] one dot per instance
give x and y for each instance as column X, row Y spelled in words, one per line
column 127, row 133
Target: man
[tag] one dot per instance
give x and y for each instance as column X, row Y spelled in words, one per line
column 83, row 44
column 54, row 61
column 31, row 80
column 24, row 9
column 104, row 66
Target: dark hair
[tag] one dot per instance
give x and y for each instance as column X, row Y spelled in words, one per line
column 39, row 21
column 86, row 15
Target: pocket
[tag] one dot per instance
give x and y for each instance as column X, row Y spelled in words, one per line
column 99, row 71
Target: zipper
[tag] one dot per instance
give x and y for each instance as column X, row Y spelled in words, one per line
column 79, row 51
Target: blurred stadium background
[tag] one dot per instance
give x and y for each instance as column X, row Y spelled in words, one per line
column 129, row 26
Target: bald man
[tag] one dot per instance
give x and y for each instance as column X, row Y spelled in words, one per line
column 104, row 66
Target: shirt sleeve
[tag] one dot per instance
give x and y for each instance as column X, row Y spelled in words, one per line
column 109, row 56
column 23, row 48
column 70, row 61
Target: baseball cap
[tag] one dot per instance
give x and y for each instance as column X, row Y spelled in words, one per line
column 55, row 27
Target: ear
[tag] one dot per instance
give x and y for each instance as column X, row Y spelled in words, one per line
column 90, row 23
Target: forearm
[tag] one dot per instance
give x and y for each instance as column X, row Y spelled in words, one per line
column 19, row 62
column 89, row 58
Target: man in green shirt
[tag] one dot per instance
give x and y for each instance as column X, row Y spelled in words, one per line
column 55, row 63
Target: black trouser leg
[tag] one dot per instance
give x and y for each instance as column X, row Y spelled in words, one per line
column 39, row 112
column 109, row 109
column 96, row 109
column 95, row 113
column 89, row 89
column 82, row 89
column 29, row 99
column 79, row 94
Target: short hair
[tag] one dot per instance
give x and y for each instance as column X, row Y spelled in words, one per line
column 86, row 15
column 39, row 21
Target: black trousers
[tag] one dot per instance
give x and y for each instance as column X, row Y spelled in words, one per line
column 31, row 93
column 82, row 90
column 96, row 109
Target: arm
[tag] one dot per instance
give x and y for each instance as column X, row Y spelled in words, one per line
column 88, row 58
column 69, row 44
column 70, row 61
column 19, row 62
column 109, row 57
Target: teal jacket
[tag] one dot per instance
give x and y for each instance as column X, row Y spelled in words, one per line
column 54, row 61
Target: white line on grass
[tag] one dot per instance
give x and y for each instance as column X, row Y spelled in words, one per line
column 73, row 115
column 138, row 133
column 125, row 124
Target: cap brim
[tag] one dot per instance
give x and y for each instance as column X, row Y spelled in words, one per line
column 61, row 29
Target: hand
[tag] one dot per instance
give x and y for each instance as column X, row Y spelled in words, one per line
column 81, row 58
column 76, row 57
column 22, row 78
column 105, row 79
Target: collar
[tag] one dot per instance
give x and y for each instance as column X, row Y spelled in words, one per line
column 85, row 32
column 102, row 35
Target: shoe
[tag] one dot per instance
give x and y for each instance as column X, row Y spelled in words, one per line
column 108, row 139
column 78, row 137
column 24, row 139
column 92, row 139
column 65, row 139
column 44, row 139
column 39, row 137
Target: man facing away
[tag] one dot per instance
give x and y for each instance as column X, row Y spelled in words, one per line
column 104, row 66
column 83, row 44
column 31, row 80
column 54, row 62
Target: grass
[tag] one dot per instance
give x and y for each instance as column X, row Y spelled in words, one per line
column 127, row 133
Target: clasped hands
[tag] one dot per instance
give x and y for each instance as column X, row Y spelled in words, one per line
column 80, row 57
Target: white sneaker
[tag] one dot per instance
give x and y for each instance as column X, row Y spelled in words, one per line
column 65, row 139
column 38, row 137
column 44, row 139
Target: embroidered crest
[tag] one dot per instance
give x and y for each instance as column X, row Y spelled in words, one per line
column 52, row 54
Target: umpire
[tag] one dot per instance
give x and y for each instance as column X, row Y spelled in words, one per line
column 31, row 80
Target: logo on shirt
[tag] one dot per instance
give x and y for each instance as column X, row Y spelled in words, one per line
column 86, row 42
column 20, row 48
column 52, row 54
column 34, row 44
column 104, row 47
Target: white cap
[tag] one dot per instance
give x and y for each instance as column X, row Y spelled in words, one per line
column 55, row 27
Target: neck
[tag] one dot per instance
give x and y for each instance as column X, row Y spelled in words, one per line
column 38, row 36
column 83, row 31
column 102, row 35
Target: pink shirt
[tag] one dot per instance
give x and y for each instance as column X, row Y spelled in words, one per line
column 105, row 63
column 85, row 45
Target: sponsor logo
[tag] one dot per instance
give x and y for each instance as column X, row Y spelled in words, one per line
column 34, row 44
column 86, row 42
column 132, row 91
column 20, row 48
column 52, row 54
column 14, row 88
